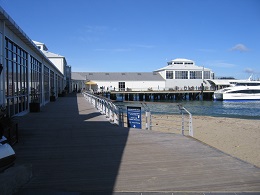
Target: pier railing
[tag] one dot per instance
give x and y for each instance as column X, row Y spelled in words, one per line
column 178, row 121
column 106, row 107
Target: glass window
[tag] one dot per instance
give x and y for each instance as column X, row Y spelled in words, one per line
column 36, row 77
column 181, row 74
column 16, row 78
column 52, row 82
column 195, row 74
column 121, row 86
column 206, row 75
column 169, row 74
column 46, row 83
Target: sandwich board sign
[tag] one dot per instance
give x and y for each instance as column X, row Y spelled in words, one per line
column 134, row 117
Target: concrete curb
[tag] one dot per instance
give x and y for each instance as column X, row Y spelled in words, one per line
column 14, row 177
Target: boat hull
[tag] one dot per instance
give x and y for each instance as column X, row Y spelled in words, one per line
column 235, row 96
column 218, row 96
column 240, row 96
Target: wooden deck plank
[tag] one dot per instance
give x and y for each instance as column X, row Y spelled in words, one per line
column 72, row 147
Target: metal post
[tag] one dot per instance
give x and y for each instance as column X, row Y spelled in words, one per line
column 116, row 117
column 182, row 123
column 121, row 118
column 190, row 122
column 104, row 109
column 190, row 126
column 96, row 106
column 148, row 120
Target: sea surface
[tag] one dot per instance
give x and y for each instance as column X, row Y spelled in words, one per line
column 231, row 109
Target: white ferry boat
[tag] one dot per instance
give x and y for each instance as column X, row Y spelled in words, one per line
column 242, row 90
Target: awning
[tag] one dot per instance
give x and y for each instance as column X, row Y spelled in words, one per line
column 90, row 83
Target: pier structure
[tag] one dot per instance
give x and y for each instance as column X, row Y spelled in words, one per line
column 72, row 148
column 157, row 95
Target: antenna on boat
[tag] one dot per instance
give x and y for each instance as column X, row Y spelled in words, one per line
column 250, row 78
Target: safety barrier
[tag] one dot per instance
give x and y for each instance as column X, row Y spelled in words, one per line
column 106, row 107
column 178, row 121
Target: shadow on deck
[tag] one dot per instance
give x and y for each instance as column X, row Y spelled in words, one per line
column 73, row 148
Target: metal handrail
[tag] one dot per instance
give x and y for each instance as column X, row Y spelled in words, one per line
column 116, row 116
column 105, row 106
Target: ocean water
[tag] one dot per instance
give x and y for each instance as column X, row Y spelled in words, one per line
column 231, row 109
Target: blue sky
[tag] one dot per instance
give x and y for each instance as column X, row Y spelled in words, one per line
column 142, row 35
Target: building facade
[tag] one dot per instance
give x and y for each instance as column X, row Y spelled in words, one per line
column 120, row 81
column 183, row 74
column 27, row 75
column 60, row 62
column 179, row 74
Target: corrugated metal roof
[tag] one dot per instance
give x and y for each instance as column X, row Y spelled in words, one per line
column 117, row 76
column 77, row 76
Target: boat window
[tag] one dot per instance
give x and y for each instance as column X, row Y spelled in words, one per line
column 246, row 91
column 248, row 84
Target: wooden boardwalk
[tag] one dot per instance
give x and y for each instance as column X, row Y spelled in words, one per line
column 73, row 148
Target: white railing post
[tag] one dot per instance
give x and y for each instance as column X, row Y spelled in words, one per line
column 190, row 126
column 108, row 110
column 151, row 124
column 121, row 118
column 148, row 120
column 96, row 103
column 181, row 108
column 103, row 107
column 116, row 116
column 190, row 122
column 182, row 123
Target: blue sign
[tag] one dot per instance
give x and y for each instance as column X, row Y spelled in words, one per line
column 134, row 117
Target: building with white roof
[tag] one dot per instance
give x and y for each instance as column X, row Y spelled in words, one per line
column 120, row 81
column 27, row 75
column 182, row 74
column 179, row 74
column 59, row 61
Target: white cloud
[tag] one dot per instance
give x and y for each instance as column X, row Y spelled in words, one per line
column 251, row 71
column 239, row 47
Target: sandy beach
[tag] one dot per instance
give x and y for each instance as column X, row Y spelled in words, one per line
column 237, row 137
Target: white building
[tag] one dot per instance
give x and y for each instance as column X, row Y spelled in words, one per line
column 183, row 74
column 26, row 74
column 59, row 61
column 119, row 81
column 179, row 74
